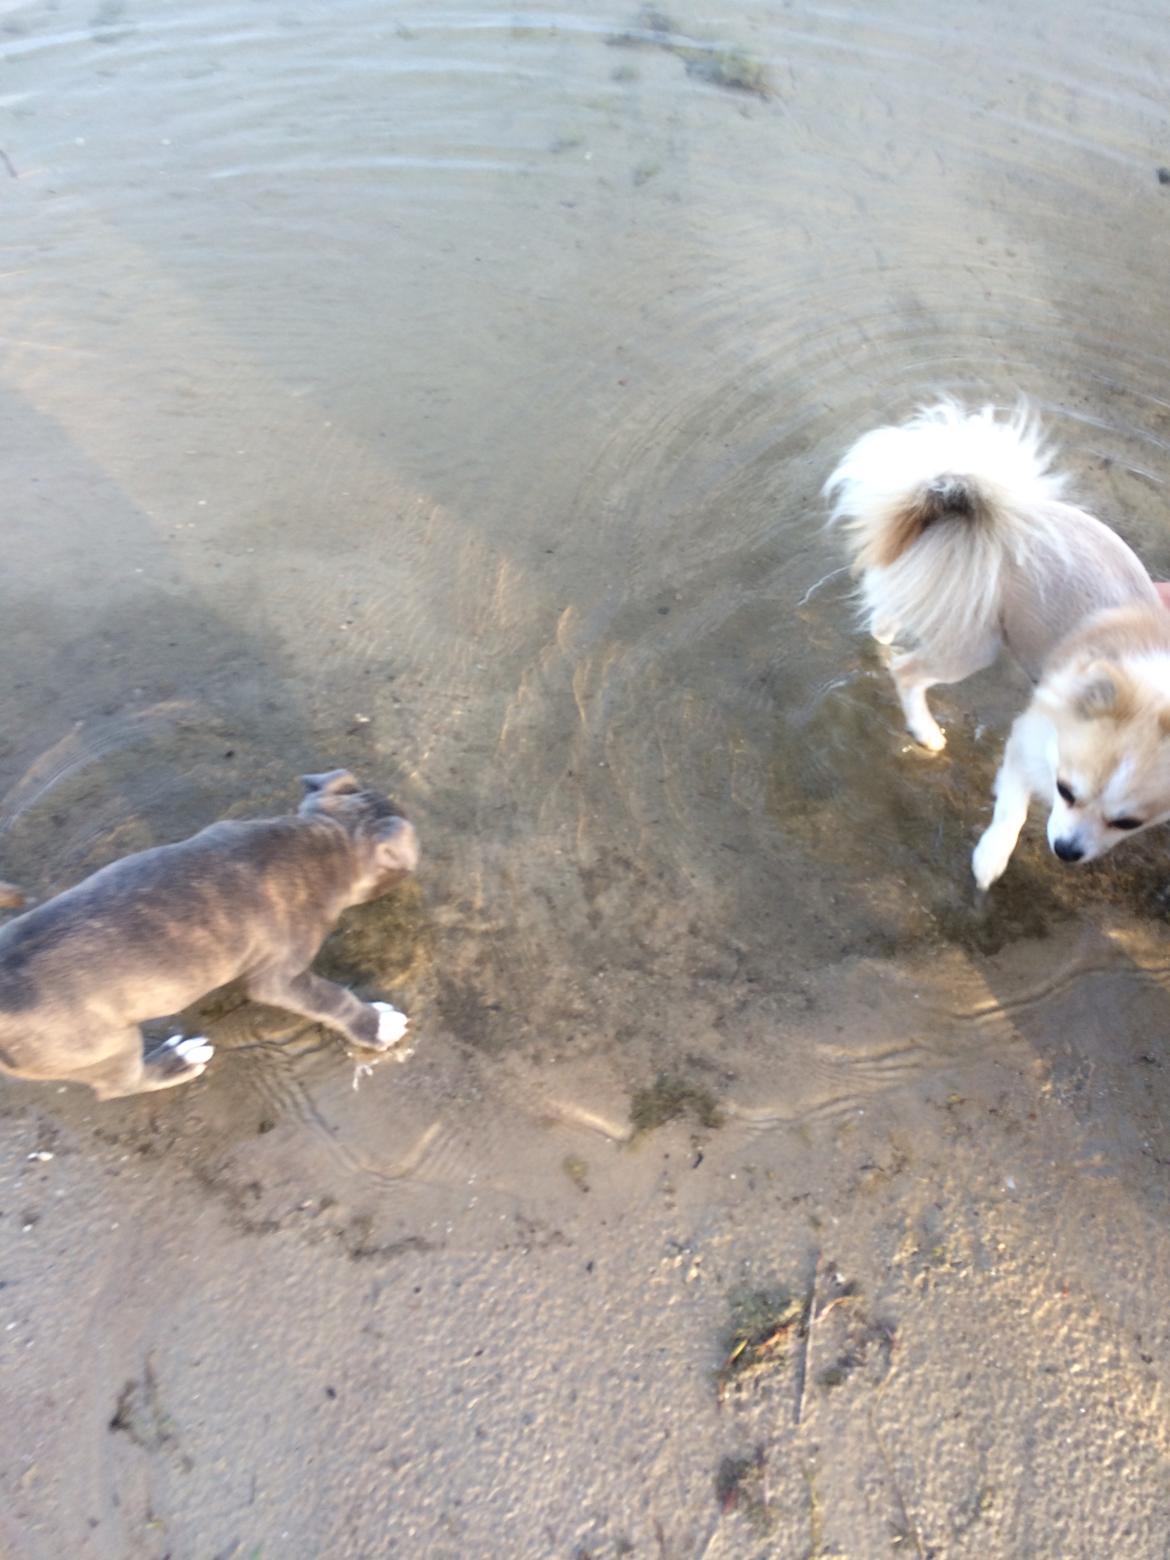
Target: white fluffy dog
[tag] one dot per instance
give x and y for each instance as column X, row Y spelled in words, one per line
column 964, row 544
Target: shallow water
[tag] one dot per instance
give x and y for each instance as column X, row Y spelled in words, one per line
column 447, row 394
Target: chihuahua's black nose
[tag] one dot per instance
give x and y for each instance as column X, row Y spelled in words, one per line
column 1068, row 850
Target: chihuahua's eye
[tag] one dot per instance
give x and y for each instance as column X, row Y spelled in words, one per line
column 1066, row 793
column 1125, row 823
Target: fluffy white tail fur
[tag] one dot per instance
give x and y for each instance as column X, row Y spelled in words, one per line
column 932, row 508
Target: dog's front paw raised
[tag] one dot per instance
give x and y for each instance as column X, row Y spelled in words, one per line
column 392, row 1025
column 991, row 857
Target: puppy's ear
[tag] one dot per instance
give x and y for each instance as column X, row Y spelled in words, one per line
column 1103, row 693
column 397, row 847
column 335, row 782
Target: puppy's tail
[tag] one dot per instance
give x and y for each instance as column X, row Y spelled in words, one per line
column 931, row 508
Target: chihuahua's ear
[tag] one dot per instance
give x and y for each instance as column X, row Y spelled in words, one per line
column 336, row 782
column 1103, row 692
column 397, row 846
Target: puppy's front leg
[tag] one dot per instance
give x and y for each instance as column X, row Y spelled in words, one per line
column 375, row 1025
column 1013, row 792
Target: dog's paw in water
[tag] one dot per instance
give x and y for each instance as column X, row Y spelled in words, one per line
column 179, row 1059
column 392, row 1024
column 991, row 856
column 194, row 1051
column 929, row 734
column 183, row 1052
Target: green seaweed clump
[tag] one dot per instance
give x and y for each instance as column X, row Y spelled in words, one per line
column 739, row 1486
column 733, row 69
column 670, row 1097
column 763, row 1324
column 730, row 68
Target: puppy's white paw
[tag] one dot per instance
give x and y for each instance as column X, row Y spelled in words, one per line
column 391, row 1024
column 196, row 1051
column 193, row 1050
column 930, row 736
column 991, row 857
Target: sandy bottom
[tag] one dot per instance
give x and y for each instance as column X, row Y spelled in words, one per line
column 907, row 1299
column 447, row 394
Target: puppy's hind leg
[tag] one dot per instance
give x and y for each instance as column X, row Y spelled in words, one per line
column 127, row 1069
column 914, row 672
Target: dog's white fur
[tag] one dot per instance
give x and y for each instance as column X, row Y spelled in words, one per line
column 964, row 544
column 392, row 1024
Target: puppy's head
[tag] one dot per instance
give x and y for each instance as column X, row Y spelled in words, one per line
column 1110, row 757
column 384, row 837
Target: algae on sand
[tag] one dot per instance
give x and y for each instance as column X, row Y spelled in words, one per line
column 762, row 1326
column 740, row 1486
column 730, row 68
column 670, row 1097
column 733, row 69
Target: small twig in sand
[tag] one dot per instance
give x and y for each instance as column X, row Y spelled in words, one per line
column 909, row 1526
column 8, row 163
column 805, row 1364
column 713, row 1534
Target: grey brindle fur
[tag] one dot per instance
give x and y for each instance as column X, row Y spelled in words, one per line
column 148, row 935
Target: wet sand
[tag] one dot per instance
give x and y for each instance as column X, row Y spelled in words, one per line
column 447, row 394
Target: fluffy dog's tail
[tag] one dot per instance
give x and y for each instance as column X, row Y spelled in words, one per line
column 932, row 508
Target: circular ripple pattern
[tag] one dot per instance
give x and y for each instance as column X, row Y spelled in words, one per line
column 448, row 393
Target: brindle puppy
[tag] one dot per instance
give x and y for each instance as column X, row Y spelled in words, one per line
column 150, row 934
